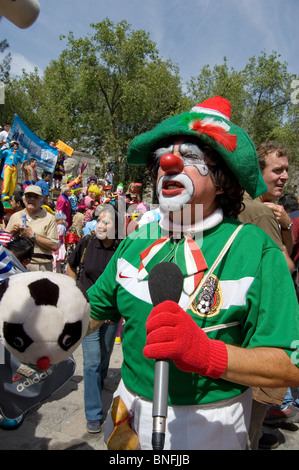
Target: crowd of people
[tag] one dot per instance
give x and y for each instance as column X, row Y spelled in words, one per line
column 227, row 338
column 58, row 231
column 73, row 211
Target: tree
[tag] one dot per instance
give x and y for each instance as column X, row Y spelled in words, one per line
column 260, row 96
column 5, row 64
column 107, row 87
column 268, row 88
column 4, row 78
column 222, row 81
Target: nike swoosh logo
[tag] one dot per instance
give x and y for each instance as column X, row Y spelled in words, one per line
column 124, row 277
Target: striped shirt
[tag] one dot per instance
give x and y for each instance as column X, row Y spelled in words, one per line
column 5, row 237
column 9, row 264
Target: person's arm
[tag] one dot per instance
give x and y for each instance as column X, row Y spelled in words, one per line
column 24, row 170
column 284, row 221
column 46, row 243
column 2, row 138
column 94, row 325
column 260, row 367
column 13, row 228
column 102, row 296
column 27, row 232
column 289, row 261
column 72, row 272
column 287, row 238
column 173, row 334
column 74, row 259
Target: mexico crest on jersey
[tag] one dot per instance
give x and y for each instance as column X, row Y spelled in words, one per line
column 208, row 302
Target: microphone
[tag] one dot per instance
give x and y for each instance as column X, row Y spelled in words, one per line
column 165, row 282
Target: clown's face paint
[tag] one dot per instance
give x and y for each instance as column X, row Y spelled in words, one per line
column 174, row 191
column 191, row 185
column 190, row 153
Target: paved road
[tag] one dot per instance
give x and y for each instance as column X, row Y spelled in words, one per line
column 59, row 424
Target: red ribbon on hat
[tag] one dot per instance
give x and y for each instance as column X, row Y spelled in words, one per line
column 216, row 132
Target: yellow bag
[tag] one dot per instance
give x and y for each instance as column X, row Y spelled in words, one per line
column 122, row 437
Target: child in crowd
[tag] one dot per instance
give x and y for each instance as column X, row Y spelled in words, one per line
column 90, row 211
column 59, row 171
column 59, row 255
column 5, row 237
column 133, row 192
column 75, row 200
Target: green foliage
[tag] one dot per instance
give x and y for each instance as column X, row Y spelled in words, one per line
column 107, row 87
column 260, row 96
column 268, row 87
column 112, row 85
column 5, row 64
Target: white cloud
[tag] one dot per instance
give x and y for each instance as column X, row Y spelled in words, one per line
column 19, row 62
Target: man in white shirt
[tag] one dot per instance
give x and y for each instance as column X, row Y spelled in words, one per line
column 40, row 227
column 3, row 136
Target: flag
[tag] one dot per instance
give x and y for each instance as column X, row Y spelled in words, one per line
column 65, row 148
column 31, row 144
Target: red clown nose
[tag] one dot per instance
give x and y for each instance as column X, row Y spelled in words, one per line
column 171, row 164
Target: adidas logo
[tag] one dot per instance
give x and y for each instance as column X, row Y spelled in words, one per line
column 33, row 380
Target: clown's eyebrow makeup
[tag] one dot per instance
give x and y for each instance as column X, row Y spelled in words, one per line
column 186, row 149
column 191, row 154
column 158, row 153
column 190, row 150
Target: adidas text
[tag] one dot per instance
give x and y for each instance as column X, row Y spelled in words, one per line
column 33, row 380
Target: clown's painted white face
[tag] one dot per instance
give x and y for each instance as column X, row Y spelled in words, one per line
column 184, row 178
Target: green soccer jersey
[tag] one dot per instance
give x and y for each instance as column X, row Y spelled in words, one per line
column 250, row 294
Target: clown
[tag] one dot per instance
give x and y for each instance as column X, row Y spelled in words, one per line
column 11, row 157
column 107, row 194
column 119, row 190
column 133, row 192
column 227, row 332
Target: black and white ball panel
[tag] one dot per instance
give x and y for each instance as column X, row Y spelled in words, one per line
column 42, row 314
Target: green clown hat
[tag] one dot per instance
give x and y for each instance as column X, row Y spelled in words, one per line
column 210, row 123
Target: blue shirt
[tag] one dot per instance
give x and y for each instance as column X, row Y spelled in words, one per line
column 88, row 227
column 11, row 157
column 44, row 187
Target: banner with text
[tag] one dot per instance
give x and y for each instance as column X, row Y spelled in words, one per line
column 31, row 144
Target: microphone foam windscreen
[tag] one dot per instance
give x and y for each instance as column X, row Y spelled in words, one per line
column 165, row 282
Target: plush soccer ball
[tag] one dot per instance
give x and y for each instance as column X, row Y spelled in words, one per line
column 44, row 317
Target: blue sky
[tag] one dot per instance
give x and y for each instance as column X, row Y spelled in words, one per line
column 191, row 33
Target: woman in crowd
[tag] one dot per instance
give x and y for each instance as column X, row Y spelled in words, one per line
column 63, row 203
column 87, row 263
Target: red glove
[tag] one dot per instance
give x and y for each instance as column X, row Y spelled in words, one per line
column 173, row 334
